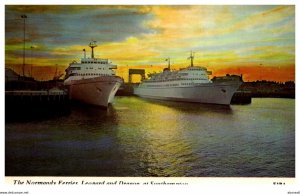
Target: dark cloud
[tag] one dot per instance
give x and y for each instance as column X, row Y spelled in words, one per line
column 68, row 25
column 104, row 25
column 13, row 41
column 54, row 9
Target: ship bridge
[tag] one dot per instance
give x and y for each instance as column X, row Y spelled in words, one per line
column 95, row 60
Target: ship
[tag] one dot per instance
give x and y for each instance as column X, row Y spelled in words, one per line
column 190, row 84
column 92, row 80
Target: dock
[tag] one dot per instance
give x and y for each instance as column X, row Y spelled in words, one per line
column 42, row 96
column 22, row 104
column 241, row 97
column 126, row 89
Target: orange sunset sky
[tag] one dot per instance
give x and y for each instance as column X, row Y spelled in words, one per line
column 257, row 41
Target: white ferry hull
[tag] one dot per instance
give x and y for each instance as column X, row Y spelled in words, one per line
column 99, row 91
column 212, row 93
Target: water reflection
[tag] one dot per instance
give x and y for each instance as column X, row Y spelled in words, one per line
column 26, row 112
column 134, row 137
column 190, row 107
column 93, row 113
column 79, row 144
column 160, row 138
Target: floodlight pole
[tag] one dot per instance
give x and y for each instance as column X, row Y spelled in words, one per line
column 23, row 67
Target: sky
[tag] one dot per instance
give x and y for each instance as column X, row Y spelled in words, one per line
column 257, row 41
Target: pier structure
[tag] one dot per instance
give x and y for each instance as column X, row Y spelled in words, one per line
column 37, row 96
column 25, row 104
column 241, row 97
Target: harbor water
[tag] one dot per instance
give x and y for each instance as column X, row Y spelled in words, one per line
column 141, row 138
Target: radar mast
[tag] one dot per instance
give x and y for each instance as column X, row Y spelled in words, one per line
column 93, row 45
column 192, row 58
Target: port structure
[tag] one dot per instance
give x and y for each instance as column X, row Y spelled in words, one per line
column 136, row 72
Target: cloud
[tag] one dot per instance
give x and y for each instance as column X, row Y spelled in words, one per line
column 222, row 36
column 76, row 24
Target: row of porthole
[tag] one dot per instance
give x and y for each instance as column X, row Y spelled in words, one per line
column 188, row 84
column 156, row 80
column 96, row 62
column 85, row 74
column 93, row 68
column 162, row 85
column 170, row 85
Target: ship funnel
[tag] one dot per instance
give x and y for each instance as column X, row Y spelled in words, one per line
column 92, row 45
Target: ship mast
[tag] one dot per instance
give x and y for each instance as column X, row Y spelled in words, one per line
column 169, row 65
column 92, row 45
column 55, row 71
column 84, row 54
column 192, row 58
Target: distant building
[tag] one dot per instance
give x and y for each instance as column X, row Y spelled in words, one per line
column 10, row 75
column 14, row 81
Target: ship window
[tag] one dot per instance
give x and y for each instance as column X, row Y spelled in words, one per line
column 75, row 68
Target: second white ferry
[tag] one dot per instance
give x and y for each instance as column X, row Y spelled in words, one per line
column 190, row 84
column 92, row 81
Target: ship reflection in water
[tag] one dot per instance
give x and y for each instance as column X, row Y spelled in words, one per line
column 136, row 137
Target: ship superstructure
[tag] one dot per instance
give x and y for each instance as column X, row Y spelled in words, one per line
column 93, row 80
column 189, row 84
